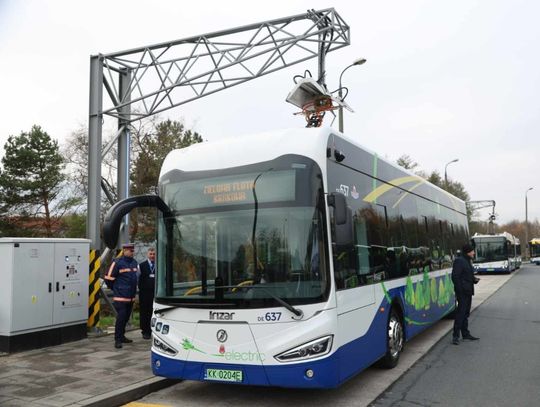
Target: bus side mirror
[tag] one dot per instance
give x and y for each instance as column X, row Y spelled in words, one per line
column 113, row 218
column 343, row 220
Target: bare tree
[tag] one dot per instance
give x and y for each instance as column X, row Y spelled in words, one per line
column 75, row 152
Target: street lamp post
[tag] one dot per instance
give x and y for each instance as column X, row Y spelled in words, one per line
column 455, row 160
column 527, row 252
column 340, row 111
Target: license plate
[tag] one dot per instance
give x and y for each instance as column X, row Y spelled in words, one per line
column 490, row 269
column 223, row 375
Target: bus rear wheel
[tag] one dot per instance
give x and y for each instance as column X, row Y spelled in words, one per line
column 395, row 339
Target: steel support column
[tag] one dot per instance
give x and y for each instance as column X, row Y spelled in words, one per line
column 124, row 146
column 94, row 152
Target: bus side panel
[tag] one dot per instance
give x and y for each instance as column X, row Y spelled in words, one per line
column 425, row 298
column 361, row 352
column 437, row 301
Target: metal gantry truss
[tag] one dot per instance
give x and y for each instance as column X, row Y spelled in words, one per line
column 144, row 81
column 167, row 75
column 475, row 205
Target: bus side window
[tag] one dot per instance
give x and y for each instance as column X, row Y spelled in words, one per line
column 346, row 262
column 344, row 270
column 365, row 264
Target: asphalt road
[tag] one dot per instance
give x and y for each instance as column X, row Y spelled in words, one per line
column 501, row 369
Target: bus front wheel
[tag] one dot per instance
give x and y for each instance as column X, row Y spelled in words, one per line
column 395, row 339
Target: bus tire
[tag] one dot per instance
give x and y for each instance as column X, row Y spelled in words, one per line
column 395, row 339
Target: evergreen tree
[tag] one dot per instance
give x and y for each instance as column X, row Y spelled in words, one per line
column 75, row 225
column 454, row 187
column 32, row 180
column 406, row 162
column 150, row 149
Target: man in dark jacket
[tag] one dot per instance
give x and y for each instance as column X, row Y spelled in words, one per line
column 147, row 280
column 464, row 281
column 122, row 279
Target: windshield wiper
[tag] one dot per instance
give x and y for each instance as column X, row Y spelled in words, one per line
column 165, row 309
column 296, row 311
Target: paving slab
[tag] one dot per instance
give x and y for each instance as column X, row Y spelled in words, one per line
column 89, row 372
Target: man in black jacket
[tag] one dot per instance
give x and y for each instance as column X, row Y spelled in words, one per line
column 464, row 281
column 147, row 280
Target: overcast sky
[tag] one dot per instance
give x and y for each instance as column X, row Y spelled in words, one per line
column 444, row 79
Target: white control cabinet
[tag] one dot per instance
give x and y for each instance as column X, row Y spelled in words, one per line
column 44, row 292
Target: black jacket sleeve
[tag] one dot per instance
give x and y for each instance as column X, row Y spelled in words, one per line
column 457, row 275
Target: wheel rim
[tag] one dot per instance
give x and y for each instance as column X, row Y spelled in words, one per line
column 395, row 336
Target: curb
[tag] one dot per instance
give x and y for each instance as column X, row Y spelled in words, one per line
column 127, row 394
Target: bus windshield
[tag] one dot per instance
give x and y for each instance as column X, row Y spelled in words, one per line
column 488, row 250
column 535, row 249
column 238, row 230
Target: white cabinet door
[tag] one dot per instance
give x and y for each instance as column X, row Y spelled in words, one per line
column 33, row 290
column 70, row 283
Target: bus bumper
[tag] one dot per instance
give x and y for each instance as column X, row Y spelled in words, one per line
column 325, row 372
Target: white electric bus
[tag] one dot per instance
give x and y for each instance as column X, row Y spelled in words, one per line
column 534, row 251
column 295, row 258
column 495, row 253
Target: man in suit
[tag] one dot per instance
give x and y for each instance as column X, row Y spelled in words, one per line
column 464, row 281
column 147, row 280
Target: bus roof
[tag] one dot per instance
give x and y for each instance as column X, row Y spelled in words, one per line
column 253, row 148
column 503, row 235
column 249, row 149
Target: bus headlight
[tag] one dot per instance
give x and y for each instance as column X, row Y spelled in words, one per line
column 313, row 349
column 505, row 264
column 164, row 347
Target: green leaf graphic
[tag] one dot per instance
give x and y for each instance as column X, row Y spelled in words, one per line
column 187, row 345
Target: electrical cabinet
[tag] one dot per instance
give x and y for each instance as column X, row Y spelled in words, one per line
column 43, row 292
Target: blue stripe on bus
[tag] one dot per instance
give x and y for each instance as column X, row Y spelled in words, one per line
column 329, row 372
column 291, row 375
